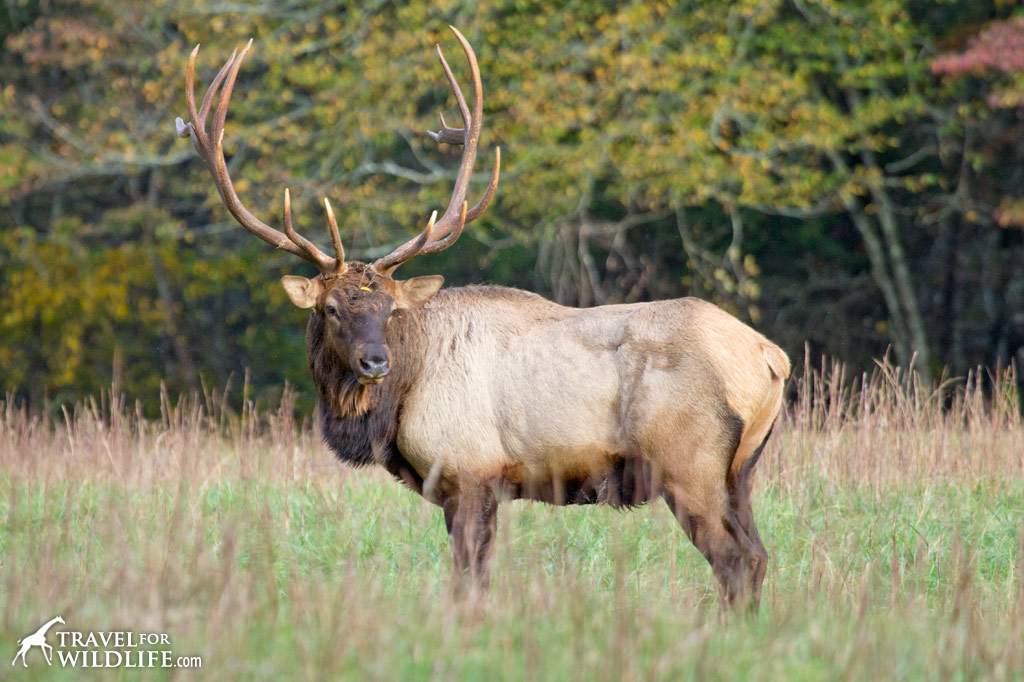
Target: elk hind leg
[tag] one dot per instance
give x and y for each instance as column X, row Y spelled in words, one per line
column 736, row 561
column 471, row 518
column 739, row 483
column 696, row 490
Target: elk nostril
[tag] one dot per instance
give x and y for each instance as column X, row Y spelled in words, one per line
column 374, row 364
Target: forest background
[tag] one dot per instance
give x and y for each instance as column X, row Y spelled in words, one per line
column 845, row 176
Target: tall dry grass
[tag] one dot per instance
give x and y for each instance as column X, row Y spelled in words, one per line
column 884, row 427
column 892, row 511
column 890, row 426
column 197, row 438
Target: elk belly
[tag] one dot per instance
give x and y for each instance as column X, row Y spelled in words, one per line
column 558, row 402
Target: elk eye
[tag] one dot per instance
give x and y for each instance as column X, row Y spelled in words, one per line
column 332, row 311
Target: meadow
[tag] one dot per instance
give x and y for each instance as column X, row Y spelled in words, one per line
column 892, row 513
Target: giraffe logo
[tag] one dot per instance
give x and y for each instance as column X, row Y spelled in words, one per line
column 37, row 638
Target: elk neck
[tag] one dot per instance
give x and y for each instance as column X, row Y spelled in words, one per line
column 360, row 423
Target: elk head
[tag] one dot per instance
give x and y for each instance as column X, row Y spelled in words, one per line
column 354, row 299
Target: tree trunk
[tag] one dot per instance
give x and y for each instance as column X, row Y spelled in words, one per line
column 900, row 271
column 163, row 287
column 880, row 268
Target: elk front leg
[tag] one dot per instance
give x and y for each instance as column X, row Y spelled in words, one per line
column 471, row 518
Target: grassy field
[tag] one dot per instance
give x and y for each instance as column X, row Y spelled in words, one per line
column 893, row 517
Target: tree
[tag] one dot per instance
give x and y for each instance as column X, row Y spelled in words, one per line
column 797, row 162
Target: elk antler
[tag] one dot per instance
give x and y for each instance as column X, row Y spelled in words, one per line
column 210, row 147
column 438, row 235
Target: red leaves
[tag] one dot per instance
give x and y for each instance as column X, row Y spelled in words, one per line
column 999, row 47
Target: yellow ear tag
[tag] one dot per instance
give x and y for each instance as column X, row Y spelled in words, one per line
column 366, row 289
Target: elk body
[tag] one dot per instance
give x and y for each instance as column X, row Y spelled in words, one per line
column 479, row 394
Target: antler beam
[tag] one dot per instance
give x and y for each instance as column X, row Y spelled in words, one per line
column 210, row 147
column 442, row 234
column 438, row 235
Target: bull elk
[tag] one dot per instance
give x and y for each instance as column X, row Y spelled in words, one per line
column 478, row 394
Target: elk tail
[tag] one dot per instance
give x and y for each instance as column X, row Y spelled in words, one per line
column 757, row 432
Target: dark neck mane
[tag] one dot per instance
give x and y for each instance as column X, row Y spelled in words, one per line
column 360, row 423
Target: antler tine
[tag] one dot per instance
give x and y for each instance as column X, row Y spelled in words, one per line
column 211, row 92
column 196, row 127
column 421, row 245
column 220, row 114
column 455, row 217
column 473, row 121
column 444, row 242
column 459, row 98
column 309, row 249
column 446, row 134
column 407, row 251
column 339, row 250
column 210, row 147
column 485, row 200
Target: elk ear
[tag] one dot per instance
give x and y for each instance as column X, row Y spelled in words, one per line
column 414, row 292
column 303, row 292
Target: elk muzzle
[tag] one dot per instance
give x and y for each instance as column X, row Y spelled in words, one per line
column 371, row 362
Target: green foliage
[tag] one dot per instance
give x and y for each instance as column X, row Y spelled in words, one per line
column 93, row 305
column 789, row 160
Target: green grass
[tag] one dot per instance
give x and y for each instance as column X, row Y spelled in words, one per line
column 273, row 580
column 251, row 548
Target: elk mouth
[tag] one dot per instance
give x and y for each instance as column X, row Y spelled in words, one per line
column 371, row 363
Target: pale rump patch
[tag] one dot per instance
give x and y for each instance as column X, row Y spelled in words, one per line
column 764, row 417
